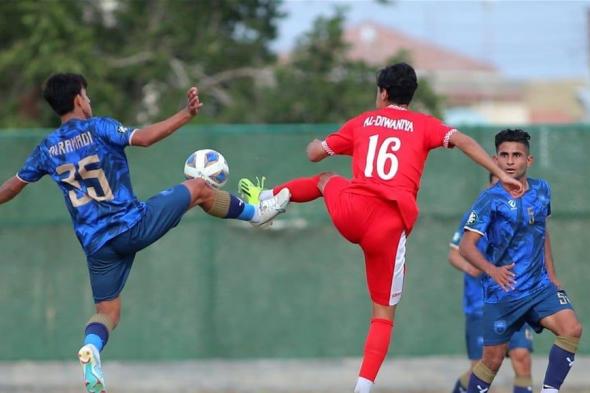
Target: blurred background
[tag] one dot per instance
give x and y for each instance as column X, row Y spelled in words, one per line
column 216, row 306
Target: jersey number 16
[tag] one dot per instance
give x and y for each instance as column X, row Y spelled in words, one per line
column 383, row 156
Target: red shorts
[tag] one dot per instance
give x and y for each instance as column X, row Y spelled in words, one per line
column 377, row 226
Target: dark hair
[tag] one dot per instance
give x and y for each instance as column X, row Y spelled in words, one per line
column 490, row 177
column 61, row 89
column 512, row 135
column 400, row 82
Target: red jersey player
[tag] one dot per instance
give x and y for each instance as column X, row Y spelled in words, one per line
column 377, row 208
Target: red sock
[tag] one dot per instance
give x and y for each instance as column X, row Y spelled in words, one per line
column 303, row 189
column 376, row 347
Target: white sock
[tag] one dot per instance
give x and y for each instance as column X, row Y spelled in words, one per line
column 363, row 385
column 265, row 194
column 549, row 390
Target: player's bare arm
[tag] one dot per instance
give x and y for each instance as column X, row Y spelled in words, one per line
column 461, row 264
column 468, row 249
column 151, row 134
column 473, row 150
column 315, row 151
column 11, row 188
column 549, row 260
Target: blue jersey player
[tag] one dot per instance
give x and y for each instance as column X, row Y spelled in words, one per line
column 520, row 345
column 86, row 158
column 518, row 286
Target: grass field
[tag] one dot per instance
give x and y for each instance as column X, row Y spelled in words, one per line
column 429, row 374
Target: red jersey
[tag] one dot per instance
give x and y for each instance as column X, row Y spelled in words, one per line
column 389, row 147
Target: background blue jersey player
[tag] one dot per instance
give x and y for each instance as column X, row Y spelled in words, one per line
column 520, row 345
column 86, row 159
column 518, row 287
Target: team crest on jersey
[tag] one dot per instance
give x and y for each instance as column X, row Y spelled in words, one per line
column 512, row 204
column 472, row 218
column 122, row 129
column 500, row 326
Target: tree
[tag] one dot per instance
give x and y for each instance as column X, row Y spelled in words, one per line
column 319, row 83
column 139, row 56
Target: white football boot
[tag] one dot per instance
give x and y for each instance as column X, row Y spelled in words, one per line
column 90, row 362
column 270, row 208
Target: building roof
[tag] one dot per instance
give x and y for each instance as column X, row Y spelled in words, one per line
column 375, row 44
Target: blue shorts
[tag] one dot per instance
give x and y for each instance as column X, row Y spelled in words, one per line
column 501, row 320
column 110, row 265
column 522, row 338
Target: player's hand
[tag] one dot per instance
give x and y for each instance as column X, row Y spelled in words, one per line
column 504, row 276
column 514, row 186
column 193, row 104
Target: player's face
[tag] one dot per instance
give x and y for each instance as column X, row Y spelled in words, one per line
column 514, row 159
column 84, row 103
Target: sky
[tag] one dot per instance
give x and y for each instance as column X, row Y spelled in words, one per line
column 523, row 39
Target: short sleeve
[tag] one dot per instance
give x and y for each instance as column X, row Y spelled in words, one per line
column 33, row 168
column 480, row 214
column 458, row 235
column 341, row 141
column 437, row 133
column 112, row 131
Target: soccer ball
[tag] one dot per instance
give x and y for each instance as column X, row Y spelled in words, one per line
column 208, row 165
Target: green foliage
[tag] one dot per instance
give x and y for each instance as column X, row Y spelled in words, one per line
column 139, row 58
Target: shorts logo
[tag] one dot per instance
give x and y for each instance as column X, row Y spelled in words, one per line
column 563, row 298
column 500, row 326
column 472, row 218
column 122, row 129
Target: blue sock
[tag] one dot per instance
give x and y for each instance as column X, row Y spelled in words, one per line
column 476, row 385
column 560, row 362
column 522, row 389
column 96, row 334
column 239, row 209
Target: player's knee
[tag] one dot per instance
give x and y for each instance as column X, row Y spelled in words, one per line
column 573, row 330
column 199, row 190
column 493, row 359
column 323, row 179
column 521, row 358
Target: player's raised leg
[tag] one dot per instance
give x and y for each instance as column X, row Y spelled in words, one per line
column 303, row 189
column 222, row 204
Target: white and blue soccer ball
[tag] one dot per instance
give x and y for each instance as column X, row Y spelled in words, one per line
column 208, row 165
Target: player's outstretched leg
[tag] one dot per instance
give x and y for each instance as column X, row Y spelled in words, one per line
column 303, row 189
column 222, row 204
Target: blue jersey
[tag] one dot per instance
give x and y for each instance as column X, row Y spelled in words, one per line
column 86, row 159
column 516, row 233
column 472, row 286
